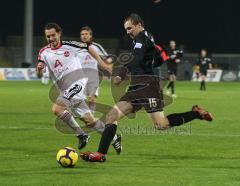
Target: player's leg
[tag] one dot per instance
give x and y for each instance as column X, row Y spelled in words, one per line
column 173, row 85
column 121, row 109
column 176, row 119
column 83, row 112
column 99, row 126
column 170, row 80
column 203, row 84
column 61, row 112
column 92, row 89
column 92, row 103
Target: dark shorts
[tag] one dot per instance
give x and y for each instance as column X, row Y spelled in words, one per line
column 203, row 72
column 172, row 71
column 147, row 95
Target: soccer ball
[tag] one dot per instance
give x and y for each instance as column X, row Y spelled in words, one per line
column 67, row 157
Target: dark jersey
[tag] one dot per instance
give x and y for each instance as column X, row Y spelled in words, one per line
column 143, row 51
column 173, row 55
column 144, row 90
column 203, row 63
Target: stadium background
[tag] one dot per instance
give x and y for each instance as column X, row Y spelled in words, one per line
column 195, row 154
column 194, row 25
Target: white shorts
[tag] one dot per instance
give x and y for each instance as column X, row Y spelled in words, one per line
column 93, row 81
column 91, row 88
column 74, row 94
column 80, row 109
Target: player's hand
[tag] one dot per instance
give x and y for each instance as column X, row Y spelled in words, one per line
column 117, row 80
column 40, row 66
column 107, row 67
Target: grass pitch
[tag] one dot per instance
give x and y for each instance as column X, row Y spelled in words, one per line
column 199, row 153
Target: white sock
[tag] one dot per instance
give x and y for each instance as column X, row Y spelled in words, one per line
column 71, row 122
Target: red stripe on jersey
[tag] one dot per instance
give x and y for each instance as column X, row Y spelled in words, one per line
column 40, row 53
column 44, row 48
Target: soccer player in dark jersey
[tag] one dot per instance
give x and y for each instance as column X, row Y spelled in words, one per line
column 175, row 56
column 204, row 63
column 144, row 91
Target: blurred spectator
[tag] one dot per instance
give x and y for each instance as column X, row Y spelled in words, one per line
column 187, row 66
column 175, row 57
column 204, row 63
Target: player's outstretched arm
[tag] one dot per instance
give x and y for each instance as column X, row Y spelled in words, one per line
column 119, row 74
column 99, row 60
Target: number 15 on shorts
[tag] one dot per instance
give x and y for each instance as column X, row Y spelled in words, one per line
column 152, row 102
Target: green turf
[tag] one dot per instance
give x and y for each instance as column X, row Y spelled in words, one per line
column 199, row 153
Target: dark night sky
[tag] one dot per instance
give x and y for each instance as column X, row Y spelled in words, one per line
column 212, row 24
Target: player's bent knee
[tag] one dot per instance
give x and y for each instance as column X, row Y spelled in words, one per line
column 161, row 126
column 92, row 99
column 161, row 123
column 112, row 116
column 57, row 110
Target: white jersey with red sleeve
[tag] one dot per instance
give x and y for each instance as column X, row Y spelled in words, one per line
column 88, row 61
column 62, row 60
column 65, row 69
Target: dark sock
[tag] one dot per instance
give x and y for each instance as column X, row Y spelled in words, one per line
column 169, row 84
column 204, row 87
column 201, row 86
column 107, row 136
column 181, row 118
column 173, row 88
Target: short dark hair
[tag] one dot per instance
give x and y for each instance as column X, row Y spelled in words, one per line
column 53, row 25
column 88, row 28
column 135, row 19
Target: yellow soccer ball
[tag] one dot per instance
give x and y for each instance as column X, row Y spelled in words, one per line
column 67, row 157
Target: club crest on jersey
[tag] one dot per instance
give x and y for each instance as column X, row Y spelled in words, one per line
column 66, row 53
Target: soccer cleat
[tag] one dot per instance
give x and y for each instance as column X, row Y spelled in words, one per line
column 205, row 115
column 93, row 156
column 83, row 140
column 117, row 144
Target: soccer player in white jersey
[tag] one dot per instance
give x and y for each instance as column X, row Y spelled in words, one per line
column 90, row 66
column 61, row 59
